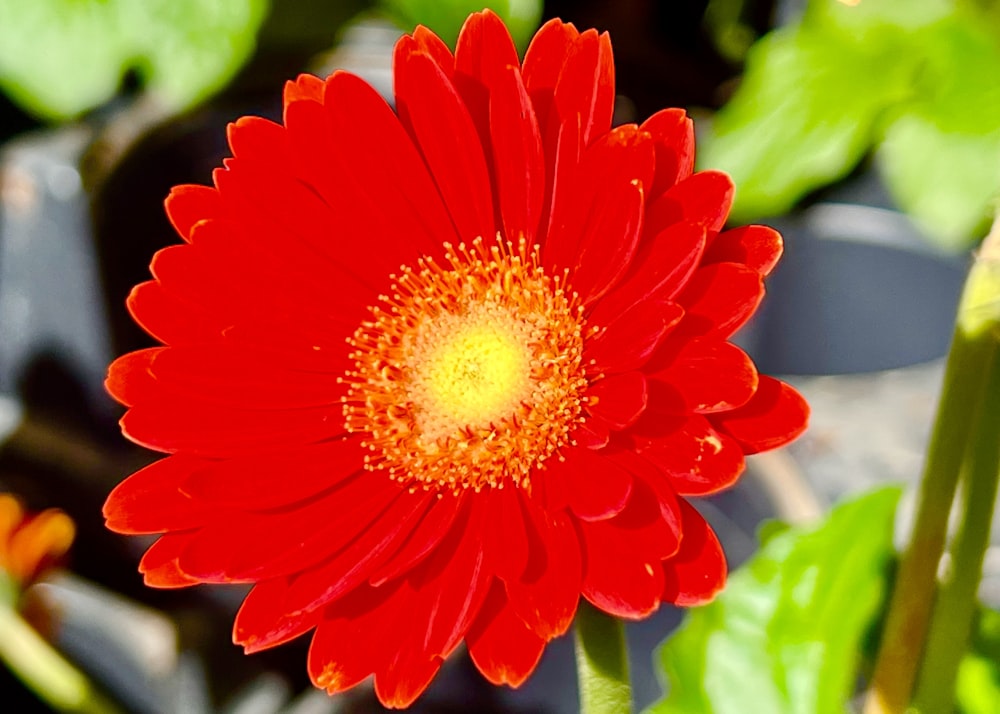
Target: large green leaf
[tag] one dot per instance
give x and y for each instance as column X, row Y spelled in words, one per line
column 60, row 58
column 804, row 114
column 446, row 17
column 941, row 156
column 979, row 674
column 785, row 635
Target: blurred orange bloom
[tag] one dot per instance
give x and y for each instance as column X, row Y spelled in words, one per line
column 31, row 543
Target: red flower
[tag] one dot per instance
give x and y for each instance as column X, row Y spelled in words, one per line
column 432, row 375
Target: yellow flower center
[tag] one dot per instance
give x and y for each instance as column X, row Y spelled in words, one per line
column 469, row 374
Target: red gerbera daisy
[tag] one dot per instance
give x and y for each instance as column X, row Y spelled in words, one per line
column 431, row 375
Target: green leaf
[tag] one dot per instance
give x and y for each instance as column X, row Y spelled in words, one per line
column 786, row 633
column 446, row 17
column 941, row 157
column 864, row 21
column 60, row 58
column 979, row 674
column 804, row 114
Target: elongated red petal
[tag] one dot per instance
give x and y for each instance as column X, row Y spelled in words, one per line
column 151, row 500
column 629, row 341
column 698, row 572
column 519, row 164
column 698, row 459
column 662, row 266
column 703, row 375
column 188, row 204
column 703, row 198
column 673, row 136
column 437, row 119
column 159, row 564
column 502, row 647
column 757, row 247
column 264, row 620
column 263, row 481
column 618, row 400
column 546, row 595
column 720, row 298
column 773, row 417
column 594, row 487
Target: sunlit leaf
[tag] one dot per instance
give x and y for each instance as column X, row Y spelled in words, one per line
column 786, row 633
column 978, row 688
column 60, row 58
column 804, row 115
column 940, row 156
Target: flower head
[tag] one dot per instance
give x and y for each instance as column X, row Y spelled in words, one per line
column 430, row 375
column 30, row 544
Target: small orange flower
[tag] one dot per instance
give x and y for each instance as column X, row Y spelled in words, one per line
column 30, row 544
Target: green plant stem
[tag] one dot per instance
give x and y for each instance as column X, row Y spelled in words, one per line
column 601, row 662
column 43, row 670
column 955, row 608
column 916, row 580
column 961, row 430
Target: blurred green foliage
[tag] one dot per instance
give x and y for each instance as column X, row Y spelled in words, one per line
column 446, row 17
column 61, row 58
column 786, row 634
column 979, row 674
column 915, row 82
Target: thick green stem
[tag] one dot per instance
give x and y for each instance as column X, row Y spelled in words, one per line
column 601, row 662
column 968, row 379
column 957, row 601
column 43, row 670
column 916, row 580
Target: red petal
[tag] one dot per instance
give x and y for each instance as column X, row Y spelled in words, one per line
column 594, row 487
column 264, row 620
column 622, row 571
column 757, row 247
column 673, row 134
column 618, row 400
column 399, row 684
column 775, row 415
column 151, row 500
column 720, row 298
column 270, row 480
column 305, row 86
column 592, row 434
column 543, row 63
column 434, row 526
column 629, row 341
column 204, row 429
column 159, row 564
column 698, row 459
column 253, row 546
column 484, row 53
column 704, row 375
column 698, row 572
column 659, row 270
column 188, row 204
column 384, row 161
column 349, row 568
column 129, row 376
column 432, row 110
column 356, row 637
column 517, row 157
column 595, row 232
column 452, row 584
column 703, row 199
column 546, row 596
column 586, row 85
column 506, row 533
column 500, row 644
column 168, row 318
